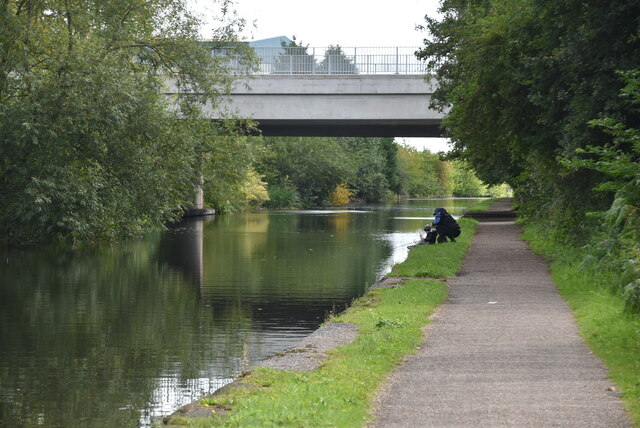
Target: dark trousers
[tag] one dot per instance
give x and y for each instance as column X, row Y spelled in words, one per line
column 445, row 232
column 431, row 237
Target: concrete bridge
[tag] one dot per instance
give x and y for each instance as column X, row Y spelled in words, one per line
column 390, row 105
column 335, row 91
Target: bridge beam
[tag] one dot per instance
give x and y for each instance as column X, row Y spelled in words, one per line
column 335, row 105
column 351, row 128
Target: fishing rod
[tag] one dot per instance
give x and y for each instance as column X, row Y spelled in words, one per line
column 411, row 243
column 407, row 244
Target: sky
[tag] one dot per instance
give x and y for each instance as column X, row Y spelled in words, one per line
column 360, row 23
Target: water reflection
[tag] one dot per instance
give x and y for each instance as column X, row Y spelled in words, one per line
column 117, row 336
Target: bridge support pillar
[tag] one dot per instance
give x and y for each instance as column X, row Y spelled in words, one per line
column 198, row 209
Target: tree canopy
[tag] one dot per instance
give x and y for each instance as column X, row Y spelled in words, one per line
column 524, row 80
column 90, row 145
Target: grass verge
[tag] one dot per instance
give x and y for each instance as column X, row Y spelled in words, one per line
column 340, row 392
column 484, row 205
column 440, row 259
column 611, row 333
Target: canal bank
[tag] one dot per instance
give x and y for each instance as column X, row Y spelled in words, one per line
column 509, row 358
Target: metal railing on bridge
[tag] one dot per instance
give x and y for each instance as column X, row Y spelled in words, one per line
column 336, row 60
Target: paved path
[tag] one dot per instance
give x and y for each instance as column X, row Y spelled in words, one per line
column 503, row 350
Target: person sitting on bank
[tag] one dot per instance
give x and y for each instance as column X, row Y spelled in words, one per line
column 445, row 227
column 430, row 235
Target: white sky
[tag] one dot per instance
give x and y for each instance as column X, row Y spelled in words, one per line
column 348, row 23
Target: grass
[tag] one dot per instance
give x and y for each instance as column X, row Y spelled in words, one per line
column 484, row 204
column 340, row 392
column 439, row 260
column 611, row 333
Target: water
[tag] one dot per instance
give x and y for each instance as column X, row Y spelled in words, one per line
column 121, row 335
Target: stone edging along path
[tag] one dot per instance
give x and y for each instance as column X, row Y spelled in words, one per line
column 504, row 349
column 307, row 354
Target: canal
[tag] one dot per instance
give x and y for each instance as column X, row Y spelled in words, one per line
column 120, row 335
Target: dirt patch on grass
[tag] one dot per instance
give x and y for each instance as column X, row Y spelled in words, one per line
column 310, row 351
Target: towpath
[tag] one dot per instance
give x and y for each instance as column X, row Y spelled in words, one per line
column 503, row 350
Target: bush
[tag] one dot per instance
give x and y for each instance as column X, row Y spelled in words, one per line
column 340, row 195
column 283, row 196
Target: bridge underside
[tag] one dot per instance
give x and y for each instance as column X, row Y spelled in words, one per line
column 351, row 128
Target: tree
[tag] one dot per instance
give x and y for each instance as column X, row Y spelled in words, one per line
column 465, row 182
column 335, row 61
column 294, row 59
column 90, row 146
column 313, row 166
column 522, row 79
column 620, row 162
column 373, row 163
column 423, row 172
column 392, row 168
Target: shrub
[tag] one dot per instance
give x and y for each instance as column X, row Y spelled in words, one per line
column 340, row 195
column 283, row 196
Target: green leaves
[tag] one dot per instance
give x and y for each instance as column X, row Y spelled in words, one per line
column 522, row 80
column 619, row 162
column 91, row 147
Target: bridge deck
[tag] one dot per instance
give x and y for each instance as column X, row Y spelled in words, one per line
column 336, row 105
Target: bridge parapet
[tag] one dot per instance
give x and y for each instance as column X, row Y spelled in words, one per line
column 334, row 60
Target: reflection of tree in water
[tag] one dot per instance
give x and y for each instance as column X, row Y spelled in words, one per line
column 339, row 223
column 181, row 248
column 298, row 264
column 87, row 333
column 96, row 331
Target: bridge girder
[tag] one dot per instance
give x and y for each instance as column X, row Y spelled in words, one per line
column 335, row 105
column 353, row 128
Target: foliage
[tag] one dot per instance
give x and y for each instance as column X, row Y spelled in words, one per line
column 392, row 169
column 340, row 195
column 90, row 146
column 370, row 167
column 619, row 161
column 522, row 79
column 375, row 168
column 599, row 308
column 254, row 189
column 500, row 191
column 464, row 180
column 424, row 173
column 237, row 192
column 226, row 162
column 316, row 166
column 283, row 195
column 294, row 59
column 335, row 61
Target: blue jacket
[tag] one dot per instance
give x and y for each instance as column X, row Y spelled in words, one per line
column 443, row 218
